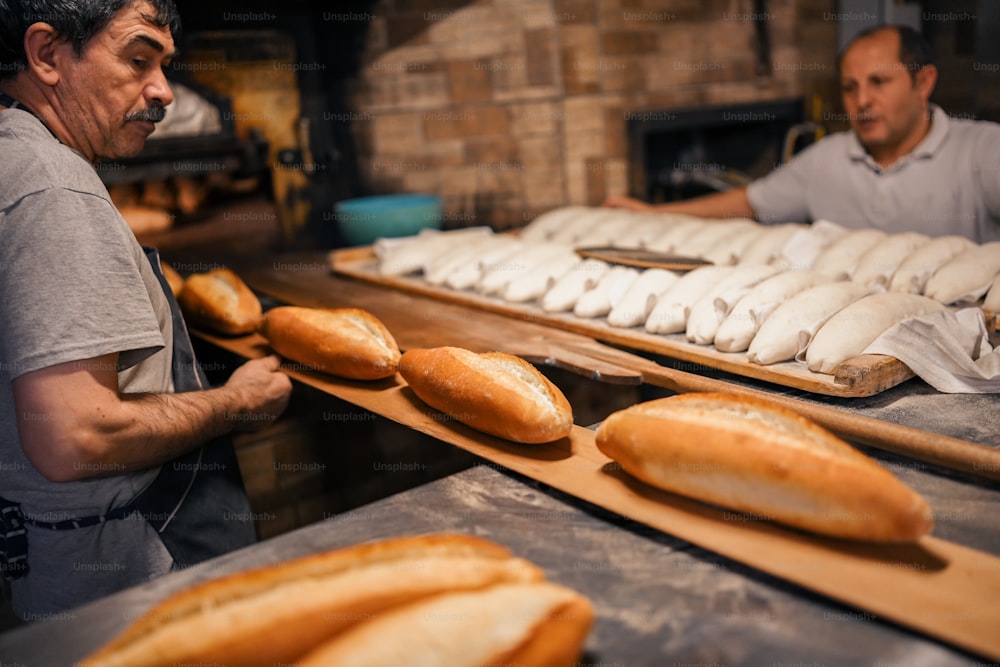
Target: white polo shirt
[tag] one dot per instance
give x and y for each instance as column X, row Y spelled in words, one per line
column 949, row 184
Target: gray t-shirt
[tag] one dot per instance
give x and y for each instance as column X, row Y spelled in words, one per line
column 75, row 285
column 949, row 184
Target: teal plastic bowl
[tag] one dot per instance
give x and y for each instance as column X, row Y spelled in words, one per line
column 365, row 219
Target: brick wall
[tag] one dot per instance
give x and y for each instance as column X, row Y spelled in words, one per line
column 508, row 108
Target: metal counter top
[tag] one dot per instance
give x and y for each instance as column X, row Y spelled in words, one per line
column 659, row 601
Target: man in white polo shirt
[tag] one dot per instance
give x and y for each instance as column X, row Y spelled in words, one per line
column 904, row 166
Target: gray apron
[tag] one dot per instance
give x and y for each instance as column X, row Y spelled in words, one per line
column 208, row 512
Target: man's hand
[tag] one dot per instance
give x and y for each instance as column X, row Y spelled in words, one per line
column 628, row 203
column 264, row 391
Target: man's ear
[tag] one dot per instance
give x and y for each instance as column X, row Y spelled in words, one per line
column 40, row 44
column 926, row 79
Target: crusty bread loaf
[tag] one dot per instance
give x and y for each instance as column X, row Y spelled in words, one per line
column 146, row 219
column 174, row 279
column 347, row 342
column 748, row 455
column 278, row 613
column 538, row 624
column 493, row 392
column 158, row 194
column 220, row 301
column 191, row 193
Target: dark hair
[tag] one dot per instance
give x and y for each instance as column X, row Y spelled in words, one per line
column 915, row 52
column 76, row 21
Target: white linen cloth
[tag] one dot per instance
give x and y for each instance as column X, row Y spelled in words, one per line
column 948, row 349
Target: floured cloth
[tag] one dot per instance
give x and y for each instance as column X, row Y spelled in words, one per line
column 948, row 349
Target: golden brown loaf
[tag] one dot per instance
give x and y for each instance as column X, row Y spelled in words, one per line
column 493, row 392
column 536, row 624
column 278, row 613
column 146, row 219
column 347, row 342
column 746, row 454
column 220, row 301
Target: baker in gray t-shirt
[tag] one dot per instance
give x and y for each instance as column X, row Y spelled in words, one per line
column 111, row 463
column 903, row 166
column 75, row 285
column 949, row 183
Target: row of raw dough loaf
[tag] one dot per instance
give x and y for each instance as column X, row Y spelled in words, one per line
column 818, row 293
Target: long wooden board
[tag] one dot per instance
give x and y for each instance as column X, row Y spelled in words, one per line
column 419, row 321
column 859, row 377
column 934, row 587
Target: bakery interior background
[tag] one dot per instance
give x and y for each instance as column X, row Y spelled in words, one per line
column 509, row 108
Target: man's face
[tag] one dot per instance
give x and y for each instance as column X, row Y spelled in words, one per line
column 111, row 95
column 884, row 104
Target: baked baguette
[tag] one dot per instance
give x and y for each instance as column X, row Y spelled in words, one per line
column 748, row 455
column 146, row 219
column 493, row 392
column 220, row 301
column 530, row 625
column 191, row 193
column 158, row 194
column 278, row 613
column 347, row 342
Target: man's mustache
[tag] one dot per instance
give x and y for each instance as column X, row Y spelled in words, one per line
column 153, row 113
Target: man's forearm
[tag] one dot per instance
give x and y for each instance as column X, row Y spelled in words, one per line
column 137, row 432
column 728, row 204
column 74, row 424
column 151, row 429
